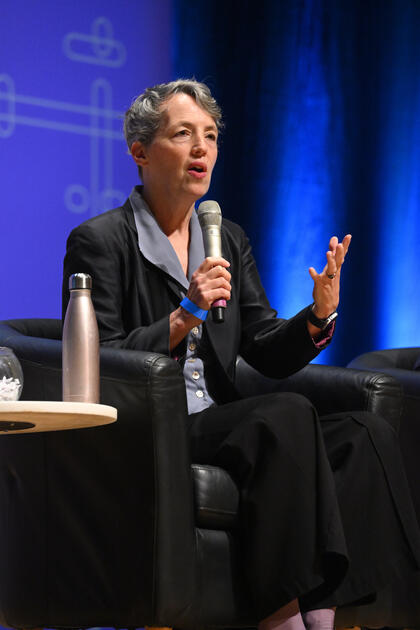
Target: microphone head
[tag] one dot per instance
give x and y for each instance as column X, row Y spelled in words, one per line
column 209, row 213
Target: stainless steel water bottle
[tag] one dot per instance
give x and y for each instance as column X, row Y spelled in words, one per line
column 80, row 343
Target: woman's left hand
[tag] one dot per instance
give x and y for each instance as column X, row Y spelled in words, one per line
column 326, row 293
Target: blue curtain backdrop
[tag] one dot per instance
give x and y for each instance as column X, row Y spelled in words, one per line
column 321, row 102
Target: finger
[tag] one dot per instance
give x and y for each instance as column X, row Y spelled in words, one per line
column 218, row 294
column 342, row 249
column 213, row 261
column 331, row 268
column 211, row 295
column 339, row 255
column 219, row 271
column 333, row 244
column 217, row 283
column 205, row 291
column 313, row 273
column 206, row 284
column 346, row 243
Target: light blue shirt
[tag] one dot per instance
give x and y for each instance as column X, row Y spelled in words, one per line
column 156, row 247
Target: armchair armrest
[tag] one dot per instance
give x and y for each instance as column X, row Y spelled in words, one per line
column 331, row 389
column 395, row 362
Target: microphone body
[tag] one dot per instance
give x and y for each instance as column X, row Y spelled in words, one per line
column 210, row 217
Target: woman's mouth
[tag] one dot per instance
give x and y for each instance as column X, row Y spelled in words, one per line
column 197, row 170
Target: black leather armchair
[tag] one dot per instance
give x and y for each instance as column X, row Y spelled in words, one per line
column 399, row 364
column 112, row 526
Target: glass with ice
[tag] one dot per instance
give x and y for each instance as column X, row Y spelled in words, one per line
column 11, row 375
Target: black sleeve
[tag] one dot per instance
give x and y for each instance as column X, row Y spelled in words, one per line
column 275, row 347
column 103, row 255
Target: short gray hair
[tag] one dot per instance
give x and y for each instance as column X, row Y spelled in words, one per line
column 143, row 118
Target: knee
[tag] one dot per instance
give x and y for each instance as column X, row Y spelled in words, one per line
column 289, row 408
column 292, row 401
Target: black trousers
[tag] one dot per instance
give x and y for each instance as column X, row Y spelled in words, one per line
column 326, row 514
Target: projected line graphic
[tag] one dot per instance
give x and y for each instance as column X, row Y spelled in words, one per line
column 102, row 127
column 98, row 47
column 9, row 117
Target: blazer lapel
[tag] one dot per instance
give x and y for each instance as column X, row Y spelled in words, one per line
column 159, row 278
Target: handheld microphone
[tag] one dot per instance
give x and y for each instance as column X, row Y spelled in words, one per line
column 210, row 217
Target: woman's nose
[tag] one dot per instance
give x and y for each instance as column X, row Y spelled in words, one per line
column 199, row 147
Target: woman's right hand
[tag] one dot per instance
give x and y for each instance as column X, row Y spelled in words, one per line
column 210, row 282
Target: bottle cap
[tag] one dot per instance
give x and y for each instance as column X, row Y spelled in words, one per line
column 80, row 281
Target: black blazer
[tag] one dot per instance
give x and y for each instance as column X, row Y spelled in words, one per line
column 133, row 299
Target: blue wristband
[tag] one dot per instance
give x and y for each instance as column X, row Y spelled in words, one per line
column 194, row 309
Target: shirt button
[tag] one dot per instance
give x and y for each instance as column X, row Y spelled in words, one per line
column 195, row 375
column 194, row 331
column 192, row 346
column 199, row 393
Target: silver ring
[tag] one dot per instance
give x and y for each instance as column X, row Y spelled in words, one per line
column 331, row 276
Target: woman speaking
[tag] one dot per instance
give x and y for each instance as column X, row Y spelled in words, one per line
column 305, row 547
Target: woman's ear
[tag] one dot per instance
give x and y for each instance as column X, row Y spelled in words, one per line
column 139, row 154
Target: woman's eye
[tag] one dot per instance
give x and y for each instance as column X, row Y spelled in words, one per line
column 212, row 136
column 182, row 132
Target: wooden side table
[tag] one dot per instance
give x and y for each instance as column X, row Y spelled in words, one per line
column 27, row 416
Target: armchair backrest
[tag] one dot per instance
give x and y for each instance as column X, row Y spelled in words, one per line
column 399, row 358
column 331, row 389
column 46, row 328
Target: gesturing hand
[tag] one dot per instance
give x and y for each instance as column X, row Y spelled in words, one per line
column 326, row 293
column 210, row 282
